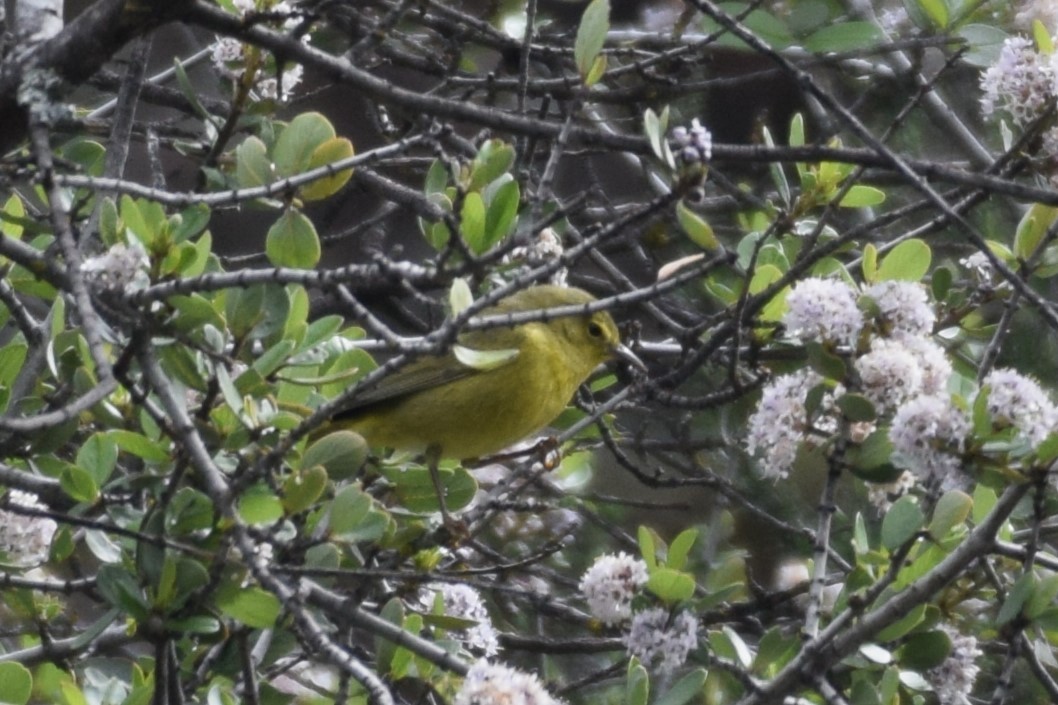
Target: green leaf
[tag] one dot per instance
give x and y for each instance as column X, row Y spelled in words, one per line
column 908, row 261
column 299, row 141
column 1032, row 228
column 983, row 42
column 493, row 160
column 696, row 228
column 871, row 459
column 341, row 453
column 119, row 588
column 924, row 650
column 598, row 69
column 903, row 520
column 502, row 213
column 903, row 625
column 472, row 222
column 139, row 445
column 14, row 212
column 648, row 547
column 252, row 606
column 591, row 35
column 936, row 10
column 302, row 489
column 1017, row 596
column 333, row 150
column 856, row 407
column 16, row 683
column 844, row 36
column 459, row 296
column 680, row 548
column 670, row 585
column 637, row 683
column 860, row 196
column 292, row 241
column 252, row 166
column 259, row 505
column 687, row 689
column 1042, row 36
column 416, row 492
column 870, row 263
column 354, row 516
column 79, row 484
column 952, row 510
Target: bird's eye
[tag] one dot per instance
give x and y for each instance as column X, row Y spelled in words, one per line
column 594, row 330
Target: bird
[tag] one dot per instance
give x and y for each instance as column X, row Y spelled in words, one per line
column 497, row 386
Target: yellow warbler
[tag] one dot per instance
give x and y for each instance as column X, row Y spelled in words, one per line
column 497, row 386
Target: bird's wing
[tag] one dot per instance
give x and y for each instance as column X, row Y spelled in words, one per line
column 426, row 373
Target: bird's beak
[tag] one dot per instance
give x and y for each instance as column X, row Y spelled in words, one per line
column 622, row 352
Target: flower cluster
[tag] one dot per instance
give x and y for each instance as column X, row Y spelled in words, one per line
column 1018, row 401
column 1021, row 83
column 896, row 366
column 824, row 310
column 26, row 540
column 464, row 602
column 694, row 145
column 659, row 641
column 492, row 684
column 230, row 57
column 121, row 268
column 781, row 422
column 610, row 584
column 953, row 680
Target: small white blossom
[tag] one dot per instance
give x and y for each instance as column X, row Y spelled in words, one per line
column 123, row 267
column 653, row 637
column 610, row 584
column 882, row 494
column 25, row 540
column 980, row 267
column 1021, row 82
column 1046, row 11
column 932, row 361
column 904, row 307
column 464, row 602
column 545, row 247
column 694, row 145
column 823, row 309
column 930, row 431
column 1018, row 401
column 495, row 684
column 890, row 374
column 779, row 424
column 953, row 680
column 266, row 87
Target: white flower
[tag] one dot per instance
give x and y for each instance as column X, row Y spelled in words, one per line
column 545, row 247
column 464, row 602
column 25, row 540
column 122, row 267
column 904, row 307
column 1021, row 82
column 930, row 432
column 889, row 374
column 653, row 637
column 610, row 584
column 932, row 360
column 780, row 422
column 292, row 75
column 881, row 495
column 823, row 309
column 496, row 684
column 1046, row 11
column 1018, row 401
column 953, row 680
